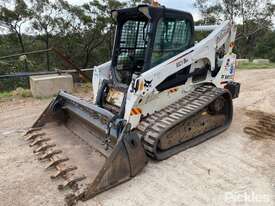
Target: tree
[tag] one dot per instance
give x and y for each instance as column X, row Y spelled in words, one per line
column 254, row 16
column 241, row 10
column 14, row 19
column 44, row 14
column 265, row 47
column 89, row 28
column 85, row 33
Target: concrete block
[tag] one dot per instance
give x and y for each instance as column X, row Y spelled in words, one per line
column 49, row 85
column 241, row 61
column 261, row 61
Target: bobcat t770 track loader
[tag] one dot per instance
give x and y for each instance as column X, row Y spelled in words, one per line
column 160, row 94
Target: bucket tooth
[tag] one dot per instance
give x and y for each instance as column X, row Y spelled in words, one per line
column 72, row 198
column 57, row 161
column 63, row 171
column 49, row 154
column 34, row 136
column 70, row 182
column 31, row 130
column 39, row 141
column 44, row 147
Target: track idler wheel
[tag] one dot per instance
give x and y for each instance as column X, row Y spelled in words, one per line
column 217, row 106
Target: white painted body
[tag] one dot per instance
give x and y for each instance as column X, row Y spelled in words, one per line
column 148, row 100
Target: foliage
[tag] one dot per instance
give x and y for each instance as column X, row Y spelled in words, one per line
column 265, row 47
column 255, row 17
column 18, row 92
column 258, row 11
column 21, row 92
column 5, row 94
column 13, row 20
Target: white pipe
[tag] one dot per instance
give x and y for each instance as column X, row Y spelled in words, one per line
column 206, row 27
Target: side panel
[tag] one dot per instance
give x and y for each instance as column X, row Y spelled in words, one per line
column 100, row 73
column 227, row 72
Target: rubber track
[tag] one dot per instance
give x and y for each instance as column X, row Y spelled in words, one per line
column 153, row 127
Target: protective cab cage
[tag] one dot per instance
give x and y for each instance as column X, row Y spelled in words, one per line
column 147, row 36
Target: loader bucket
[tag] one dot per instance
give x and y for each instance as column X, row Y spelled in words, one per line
column 70, row 135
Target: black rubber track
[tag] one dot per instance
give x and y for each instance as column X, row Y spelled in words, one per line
column 154, row 127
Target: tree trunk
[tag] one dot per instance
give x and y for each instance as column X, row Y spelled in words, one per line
column 87, row 57
column 111, row 39
column 19, row 36
column 21, row 42
column 47, row 53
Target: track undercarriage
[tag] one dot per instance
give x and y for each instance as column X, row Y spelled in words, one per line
column 203, row 113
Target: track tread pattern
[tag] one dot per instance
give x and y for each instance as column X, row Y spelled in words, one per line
column 152, row 128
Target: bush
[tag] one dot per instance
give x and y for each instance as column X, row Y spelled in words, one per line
column 21, row 92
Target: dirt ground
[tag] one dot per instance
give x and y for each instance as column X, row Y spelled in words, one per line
column 230, row 169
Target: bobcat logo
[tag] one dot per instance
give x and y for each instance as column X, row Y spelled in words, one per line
column 147, row 84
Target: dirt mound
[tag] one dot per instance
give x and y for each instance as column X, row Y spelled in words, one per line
column 261, row 126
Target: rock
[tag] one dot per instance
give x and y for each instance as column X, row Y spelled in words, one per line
column 241, row 61
column 261, row 61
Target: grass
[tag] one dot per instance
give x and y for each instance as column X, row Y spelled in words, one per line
column 5, row 94
column 19, row 92
column 251, row 65
column 83, row 87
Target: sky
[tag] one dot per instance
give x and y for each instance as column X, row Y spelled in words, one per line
column 186, row 5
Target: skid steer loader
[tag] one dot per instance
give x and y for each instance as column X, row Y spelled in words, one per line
column 160, row 94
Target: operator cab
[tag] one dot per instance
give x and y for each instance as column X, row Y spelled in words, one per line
column 146, row 36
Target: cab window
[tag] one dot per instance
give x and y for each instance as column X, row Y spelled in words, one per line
column 173, row 36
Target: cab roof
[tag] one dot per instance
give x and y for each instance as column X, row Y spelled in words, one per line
column 155, row 12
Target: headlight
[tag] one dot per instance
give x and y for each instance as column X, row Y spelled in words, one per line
column 114, row 14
